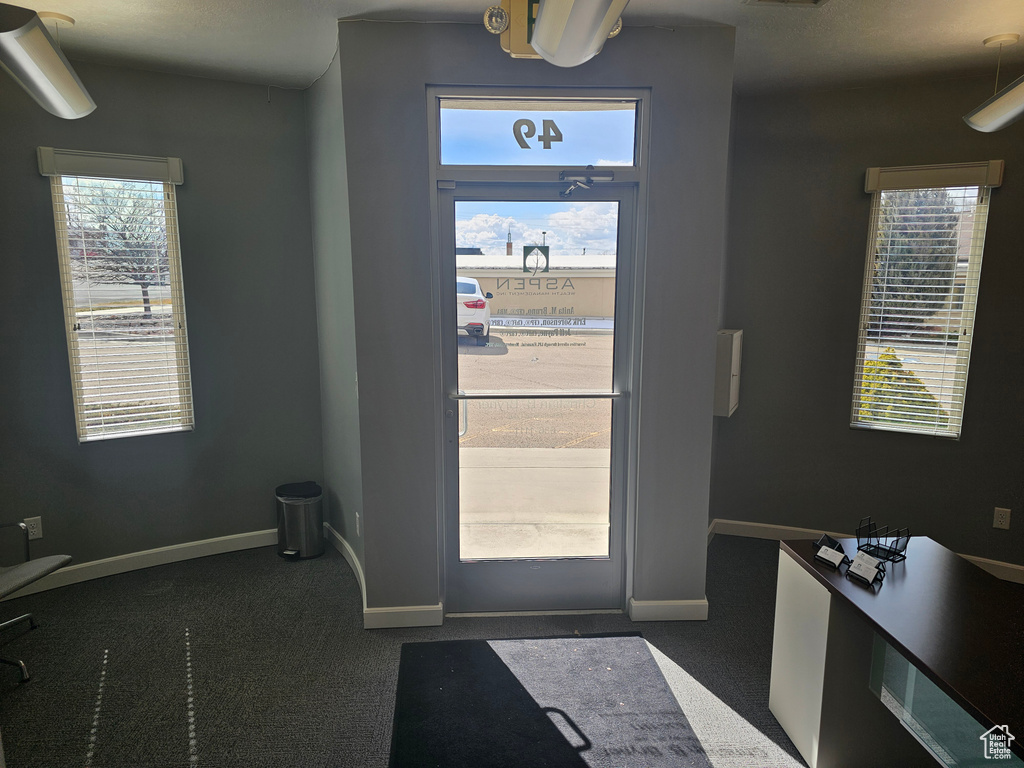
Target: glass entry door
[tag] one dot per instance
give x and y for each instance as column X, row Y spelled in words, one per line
column 536, row 299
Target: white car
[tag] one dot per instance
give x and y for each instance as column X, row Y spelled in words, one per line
column 474, row 316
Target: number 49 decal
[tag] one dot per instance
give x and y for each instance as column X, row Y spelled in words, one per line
column 524, row 129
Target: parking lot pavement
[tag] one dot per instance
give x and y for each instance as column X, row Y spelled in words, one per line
column 525, row 360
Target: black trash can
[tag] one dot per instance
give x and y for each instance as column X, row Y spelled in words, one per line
column 300, row 520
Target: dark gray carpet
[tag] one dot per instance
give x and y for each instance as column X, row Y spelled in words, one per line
column 594, row 702
column 283, row 674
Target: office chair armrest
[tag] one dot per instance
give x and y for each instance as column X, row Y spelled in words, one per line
column 24, row 531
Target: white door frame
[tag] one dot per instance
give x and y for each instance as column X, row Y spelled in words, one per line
column 445, row 179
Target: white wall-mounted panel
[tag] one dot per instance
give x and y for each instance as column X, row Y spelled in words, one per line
column 729, row 352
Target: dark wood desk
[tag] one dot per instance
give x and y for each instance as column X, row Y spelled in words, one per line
column 960, row 626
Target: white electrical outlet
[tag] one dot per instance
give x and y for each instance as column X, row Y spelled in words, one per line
column 1001, row 519
column 35, row 527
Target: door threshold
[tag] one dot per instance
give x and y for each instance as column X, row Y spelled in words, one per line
column 491, row 614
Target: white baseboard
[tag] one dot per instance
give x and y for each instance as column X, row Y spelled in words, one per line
column 403, row 616
column 95, row 569
column 1005, row 571
column 339, row 543
column 765, row 531
column 373, row 618
column 668, row 610
column 431, row 615
column 385, row 618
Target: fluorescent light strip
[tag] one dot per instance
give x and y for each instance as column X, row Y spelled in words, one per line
column 1001, row 110
column 30, row 56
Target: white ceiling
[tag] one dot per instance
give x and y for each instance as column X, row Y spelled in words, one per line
column 289, row 43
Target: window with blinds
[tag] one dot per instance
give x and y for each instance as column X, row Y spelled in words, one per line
column 120, row 267
column 920, row 291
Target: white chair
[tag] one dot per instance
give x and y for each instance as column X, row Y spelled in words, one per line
column 15, row 577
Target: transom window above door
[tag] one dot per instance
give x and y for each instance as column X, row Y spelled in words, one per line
column 538, row 132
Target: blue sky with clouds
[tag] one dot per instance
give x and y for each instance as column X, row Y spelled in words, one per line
column 577, row 232
column 487, row 137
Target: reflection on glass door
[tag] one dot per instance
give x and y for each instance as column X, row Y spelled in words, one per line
column 536, row 296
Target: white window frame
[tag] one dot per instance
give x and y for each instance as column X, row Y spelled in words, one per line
column 981, row 175
column 59, row 164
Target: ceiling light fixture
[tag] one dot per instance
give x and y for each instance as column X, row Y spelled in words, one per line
column 1007, row 105
column 33, row 59
column 570, row 32
column 564, row 32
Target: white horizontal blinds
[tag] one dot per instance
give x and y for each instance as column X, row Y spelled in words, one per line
column 124, row 307
column 917, row 313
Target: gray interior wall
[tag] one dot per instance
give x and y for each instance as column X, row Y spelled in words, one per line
column 248, row 276
column 692, row 106
column 798, row 233
column 385, row 69
column 332, row 249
